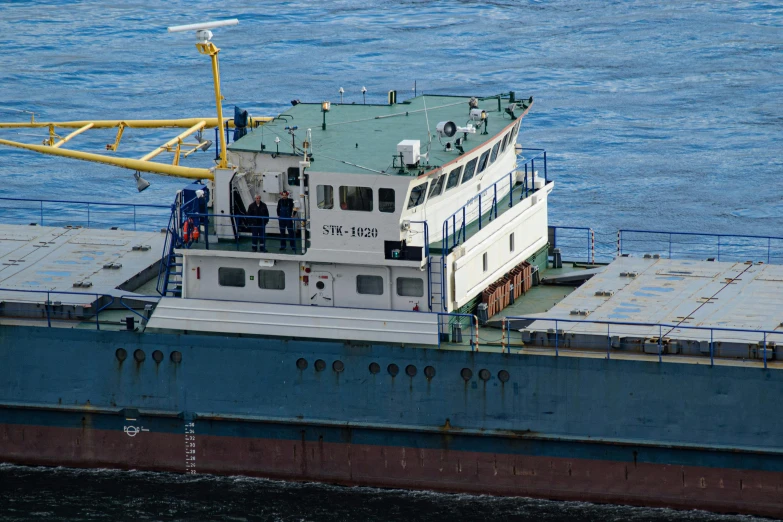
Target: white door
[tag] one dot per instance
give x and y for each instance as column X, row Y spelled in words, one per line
column 321, row 289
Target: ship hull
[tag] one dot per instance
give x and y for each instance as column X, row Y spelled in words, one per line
column 87, row 409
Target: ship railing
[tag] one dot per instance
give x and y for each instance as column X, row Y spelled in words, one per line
column 88, row 214
column 452, row 326
column 657, row 339
column 244, row 228
column 573, row 243
column 693, row 245
column 55, row 306
column 493, row 200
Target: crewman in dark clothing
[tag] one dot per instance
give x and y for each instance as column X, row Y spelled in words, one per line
column 286, row 212
column 259, row 217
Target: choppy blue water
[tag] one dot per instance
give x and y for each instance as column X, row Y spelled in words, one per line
column 659, row 114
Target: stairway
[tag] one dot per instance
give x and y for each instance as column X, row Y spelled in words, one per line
column 435, row 275
column 170, row 270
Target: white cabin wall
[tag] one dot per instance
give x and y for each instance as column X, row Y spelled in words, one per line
column 356, row 235
column 206, row 285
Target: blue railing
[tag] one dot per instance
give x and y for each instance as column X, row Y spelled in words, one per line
column 450, row 328
column 89, row 214
column 235, row 222
column 692, row 245
column 763, row 334
column 571, row 241
column 48, row 304
column 487, row 201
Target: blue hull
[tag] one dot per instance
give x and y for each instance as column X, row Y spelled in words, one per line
column 575, row 428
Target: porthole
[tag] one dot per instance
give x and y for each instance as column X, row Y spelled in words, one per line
column 338, row 366
column 139, row 355
column 320, row 285
column 176, row 357
column 301, row 364
column 411, row 370
column 157, row 356
column 375, row 368
column 484, row 374
column 503, row 376
column 121, row 354
column 320, row 365
column 429, row 372
column 393, row 370
column 466, row 373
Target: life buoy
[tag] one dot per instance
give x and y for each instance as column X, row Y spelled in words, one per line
column 186, row 231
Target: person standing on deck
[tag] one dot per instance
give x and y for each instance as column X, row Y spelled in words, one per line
column 285, row 213
column 259, row 214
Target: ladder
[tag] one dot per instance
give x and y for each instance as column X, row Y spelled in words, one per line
column 435, row 275
column 170, row 269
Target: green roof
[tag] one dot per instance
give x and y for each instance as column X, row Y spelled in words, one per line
column 363, row 138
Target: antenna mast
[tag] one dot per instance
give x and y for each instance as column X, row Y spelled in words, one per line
column 206, row 47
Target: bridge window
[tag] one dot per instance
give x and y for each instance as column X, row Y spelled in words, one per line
column 356, row 198
column 470, row 170
column 271, row 279
column 437, row 187
column 386, row 200
column 231, row 276
column 483, row 162
column 505, row 141
column 494, row 153
column 325, row 196
column 453, row 178
column 410, row 287
column 418, row 195
column 369, row 285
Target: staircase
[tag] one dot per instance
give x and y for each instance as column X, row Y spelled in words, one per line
column 170, row 270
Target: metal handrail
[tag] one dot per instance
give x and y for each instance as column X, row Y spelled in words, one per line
column 660, row 326
column 87, row 205
column 48, row 302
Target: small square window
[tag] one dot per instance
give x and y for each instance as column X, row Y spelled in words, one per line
column 356, row 198
column 410, row 287
column 325, row 196
column 231, row 276
column 484, row 260
column 293, row 176
column 369, row 284
column 386, row 200
column 271, row 279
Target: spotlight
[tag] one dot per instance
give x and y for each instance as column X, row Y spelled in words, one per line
column 141, row 183
column 448, row 146
column 364, row 94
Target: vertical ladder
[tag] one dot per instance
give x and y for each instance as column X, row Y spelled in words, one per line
column 435, row 269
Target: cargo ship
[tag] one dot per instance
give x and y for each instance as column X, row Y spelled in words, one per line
column 372, row 294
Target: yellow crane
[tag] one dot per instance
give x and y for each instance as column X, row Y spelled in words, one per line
column 53, row 144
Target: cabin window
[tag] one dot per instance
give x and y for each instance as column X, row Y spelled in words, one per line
column 410, row 287
column 418, row 194
column 511, row 242
column 231, row 276
column 386, row 200
column 325, row 196
column 293, row 176
column 437, row 187
column 271, row 279
column 483, row 162
column 356, row 198
column 369, row 285
column 505, row 141
column 453, row 178
column 494, row 155
column 470, row 170
column 485, row 261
